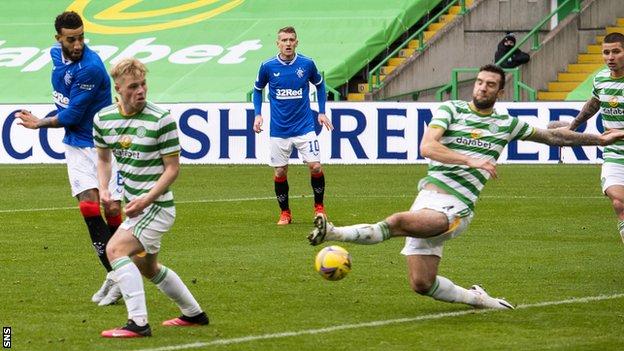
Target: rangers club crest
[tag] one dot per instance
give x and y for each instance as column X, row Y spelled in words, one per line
column 300, row 72
column 68, row 78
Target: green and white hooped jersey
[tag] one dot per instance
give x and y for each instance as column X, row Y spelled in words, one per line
column 138, row 143
column 471, row 133
column 610, row 92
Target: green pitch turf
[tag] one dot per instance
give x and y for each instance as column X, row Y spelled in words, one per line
column 541, row 234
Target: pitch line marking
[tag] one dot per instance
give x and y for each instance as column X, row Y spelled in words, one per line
column 250, row 338
column 294, row 197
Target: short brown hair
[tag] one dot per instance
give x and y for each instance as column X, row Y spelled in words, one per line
column 129, row 66
column 495, row 69
column 289, row 29
column 67, row 20
column 614, row 37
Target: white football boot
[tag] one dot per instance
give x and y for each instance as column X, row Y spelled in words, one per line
column 106, row 285
column 487, row 301
column 113, row 295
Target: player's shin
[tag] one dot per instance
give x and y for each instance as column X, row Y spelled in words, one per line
column 98, row 230
column 171, row 285
column 317, row 180
column 444, row 289
column 281, row 192
column 360, row 233
column 130, row 282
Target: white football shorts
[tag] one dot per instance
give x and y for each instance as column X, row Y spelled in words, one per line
column 307, row 145
column 82, row 171
column 611, row 174
column 458, row 214
column 150, row 226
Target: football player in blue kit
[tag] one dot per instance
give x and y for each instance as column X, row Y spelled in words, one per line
column 81, row 88
column 288, row 75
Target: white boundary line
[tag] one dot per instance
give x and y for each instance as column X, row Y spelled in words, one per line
column 294, row 197
column 250, row 338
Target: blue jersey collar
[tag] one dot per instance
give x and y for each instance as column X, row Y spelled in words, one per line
column 287, row 63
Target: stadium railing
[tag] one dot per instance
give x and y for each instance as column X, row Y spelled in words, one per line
column 453, row 85
column 518, row 84
column 375, row 73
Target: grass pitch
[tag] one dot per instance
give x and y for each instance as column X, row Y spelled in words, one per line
column 540, row 234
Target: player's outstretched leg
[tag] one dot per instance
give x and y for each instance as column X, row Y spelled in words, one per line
column 171, row 285
column 360, row 233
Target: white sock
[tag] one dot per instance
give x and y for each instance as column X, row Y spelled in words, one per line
column 445, row 290
column 360, row 233
column 621, row 229
column 171, row 285
column 130, row 283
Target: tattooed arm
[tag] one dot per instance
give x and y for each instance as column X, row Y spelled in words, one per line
column 566, row 137
column 589, row 109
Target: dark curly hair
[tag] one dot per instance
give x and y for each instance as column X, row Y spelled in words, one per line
column 67, row 20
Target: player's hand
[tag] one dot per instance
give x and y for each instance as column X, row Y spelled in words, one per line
column 105, row 197
column 257, row 127
column 610, row 136
column 483, row 164
column 28, row 120
column 324, row 121
column 136, row 206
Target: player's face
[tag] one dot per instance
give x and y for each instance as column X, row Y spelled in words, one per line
column 72, row 42
column 613, row 56
column 287, row 43
column 132, row 90
column 486, row 90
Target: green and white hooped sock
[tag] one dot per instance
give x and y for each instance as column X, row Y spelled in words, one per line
column 444, row 289
column 171, row 285
column 361, row 233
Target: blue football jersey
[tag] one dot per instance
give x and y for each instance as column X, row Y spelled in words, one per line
column 81, row 89
column 289, row 94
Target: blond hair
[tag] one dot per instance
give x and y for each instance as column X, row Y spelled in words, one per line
column 128, row 66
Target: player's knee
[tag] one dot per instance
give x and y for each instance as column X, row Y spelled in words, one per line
column 315, row 168
column 113, row 210
column 420, row 284
column 112, row 251
column 88, row 195
column 281, row 172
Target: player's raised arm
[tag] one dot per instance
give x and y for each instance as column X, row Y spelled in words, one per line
column 589, row 109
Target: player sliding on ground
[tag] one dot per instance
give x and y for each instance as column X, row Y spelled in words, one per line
column 144, row 140
column 463, row 142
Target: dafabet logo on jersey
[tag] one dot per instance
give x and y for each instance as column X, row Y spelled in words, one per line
column 139, row 16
